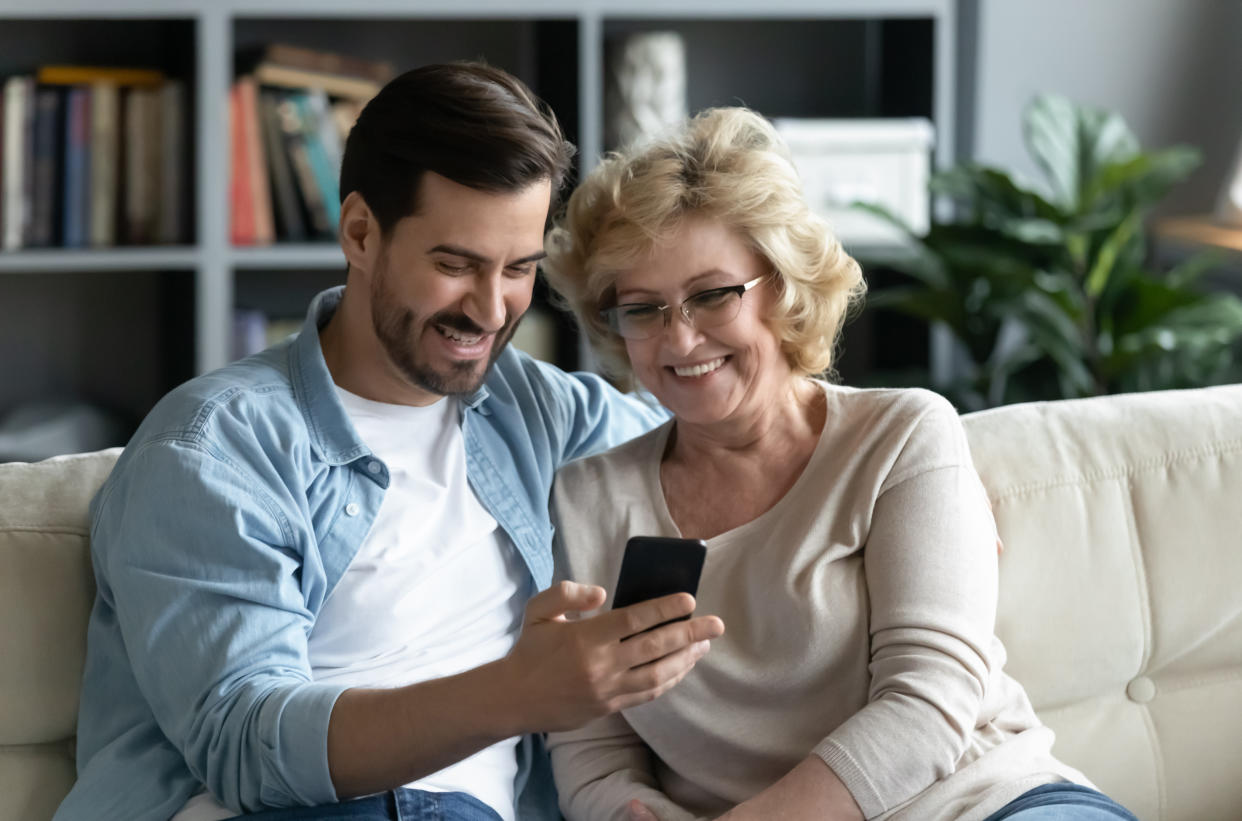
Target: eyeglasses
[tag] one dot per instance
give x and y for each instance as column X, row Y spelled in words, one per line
column 706, row 309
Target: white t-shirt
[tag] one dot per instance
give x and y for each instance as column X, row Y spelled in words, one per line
column 436, row 589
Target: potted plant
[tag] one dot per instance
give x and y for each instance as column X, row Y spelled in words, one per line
column 1048, row 293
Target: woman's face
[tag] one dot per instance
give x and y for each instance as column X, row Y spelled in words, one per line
column 706, row 374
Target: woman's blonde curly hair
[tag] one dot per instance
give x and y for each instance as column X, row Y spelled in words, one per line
column 726, row 164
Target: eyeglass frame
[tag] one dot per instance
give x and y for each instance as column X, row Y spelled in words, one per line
column 667, row 313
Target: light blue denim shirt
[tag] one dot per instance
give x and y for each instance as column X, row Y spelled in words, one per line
column 228, row 520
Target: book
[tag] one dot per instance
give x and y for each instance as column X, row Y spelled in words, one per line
column 46, row 166
column 141, row 163
column 324, row 150
column 1, row 166
column 18, row 116
column 249, row 332
column 290, row 222
column 84, row 75
column 344, row 115
column 75, row 205
column 104, row 142
column 293, row 132
column 256, row 170
column 170, row 221
column 336, row 85
column 325, row 62
column 241, row 203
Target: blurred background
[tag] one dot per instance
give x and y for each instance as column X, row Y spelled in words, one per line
column 1042, row 192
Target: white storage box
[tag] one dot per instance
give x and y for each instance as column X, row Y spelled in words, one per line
column 881, row 161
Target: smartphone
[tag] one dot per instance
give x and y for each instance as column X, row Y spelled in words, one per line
column 655, row 566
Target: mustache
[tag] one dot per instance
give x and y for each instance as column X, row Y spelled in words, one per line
column 464, row 324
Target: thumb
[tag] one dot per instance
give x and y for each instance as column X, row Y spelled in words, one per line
column 562, row 598
column 639, row 812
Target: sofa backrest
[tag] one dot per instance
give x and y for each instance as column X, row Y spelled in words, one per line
column 1121, row 587
column 46, row 591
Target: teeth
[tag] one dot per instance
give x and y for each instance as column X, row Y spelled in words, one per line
column 699, row 370
column 458, row 337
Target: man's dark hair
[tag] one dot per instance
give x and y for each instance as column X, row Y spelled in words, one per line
column 467, row 121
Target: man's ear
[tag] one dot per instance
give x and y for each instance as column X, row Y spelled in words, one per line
column 359, row 233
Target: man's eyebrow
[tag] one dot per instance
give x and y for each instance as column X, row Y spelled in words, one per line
column 466, row 253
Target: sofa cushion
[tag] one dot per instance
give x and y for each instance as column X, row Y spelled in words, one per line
column 46, row 591
column 1121, row 587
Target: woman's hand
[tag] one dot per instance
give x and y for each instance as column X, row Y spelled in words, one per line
column 639, row 812
column 809, row 791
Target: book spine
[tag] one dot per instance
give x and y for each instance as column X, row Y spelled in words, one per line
column 241, row 204
column 141, row 165
column 326, row 62
column 261, row 201
column 16, row 94
column 77, row 167
column 47, row 115
column 81, row 75
column 171, row 197
column 313, row 106
column 284, row 191
column 334, row 84
column 104, row 160
column 295, row 147
column 28, row 165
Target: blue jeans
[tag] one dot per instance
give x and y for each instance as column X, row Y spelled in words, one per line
column 1062, row 802
column 397, row 805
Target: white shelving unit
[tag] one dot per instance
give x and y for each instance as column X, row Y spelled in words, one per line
column 845, row 70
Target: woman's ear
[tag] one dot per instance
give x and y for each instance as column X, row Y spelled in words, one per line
column 359, row 233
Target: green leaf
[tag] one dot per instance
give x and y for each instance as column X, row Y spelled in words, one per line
column 1143, row 179
column 993, row 193
column 1187, row 272
column 1070, row 143
column 922, row 303
column 1106, row 259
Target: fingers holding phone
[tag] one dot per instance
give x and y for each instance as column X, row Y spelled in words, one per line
column 563, row 673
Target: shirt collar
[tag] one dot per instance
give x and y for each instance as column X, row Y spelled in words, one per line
column 326, row 419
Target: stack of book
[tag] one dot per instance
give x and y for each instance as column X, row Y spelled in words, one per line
column 290, row 112
column 92, row 157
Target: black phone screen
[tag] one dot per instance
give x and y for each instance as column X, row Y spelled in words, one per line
column 655, row 566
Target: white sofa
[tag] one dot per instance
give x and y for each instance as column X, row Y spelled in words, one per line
column 1121, row 596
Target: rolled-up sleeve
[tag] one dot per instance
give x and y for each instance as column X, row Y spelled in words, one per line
column 206, row 576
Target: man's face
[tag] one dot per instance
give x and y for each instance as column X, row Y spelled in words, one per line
column 453, row 280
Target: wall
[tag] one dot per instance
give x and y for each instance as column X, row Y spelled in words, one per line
column 1169, row 67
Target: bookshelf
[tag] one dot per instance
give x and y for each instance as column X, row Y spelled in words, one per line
column 787, row 58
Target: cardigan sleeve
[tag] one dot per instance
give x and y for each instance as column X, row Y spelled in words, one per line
column 601, row 767
column 931, row 573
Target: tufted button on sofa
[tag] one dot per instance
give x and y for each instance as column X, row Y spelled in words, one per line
column 1121, row 596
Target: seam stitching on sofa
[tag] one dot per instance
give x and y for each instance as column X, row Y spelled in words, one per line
column 1199, row 681
column 1176, row 457
column 1145, row 618
column 1162, row 800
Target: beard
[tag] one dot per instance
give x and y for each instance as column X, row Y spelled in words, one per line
column 398, row 330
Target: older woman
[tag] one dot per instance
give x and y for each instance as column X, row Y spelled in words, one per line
column 851, row 552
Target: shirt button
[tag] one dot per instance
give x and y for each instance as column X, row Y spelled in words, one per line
column 1141, row 690
column 352, row 509
column 374, row 467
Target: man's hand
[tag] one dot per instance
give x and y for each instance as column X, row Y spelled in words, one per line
column 563, row 673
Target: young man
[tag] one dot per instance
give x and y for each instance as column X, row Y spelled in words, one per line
column 312, row 564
